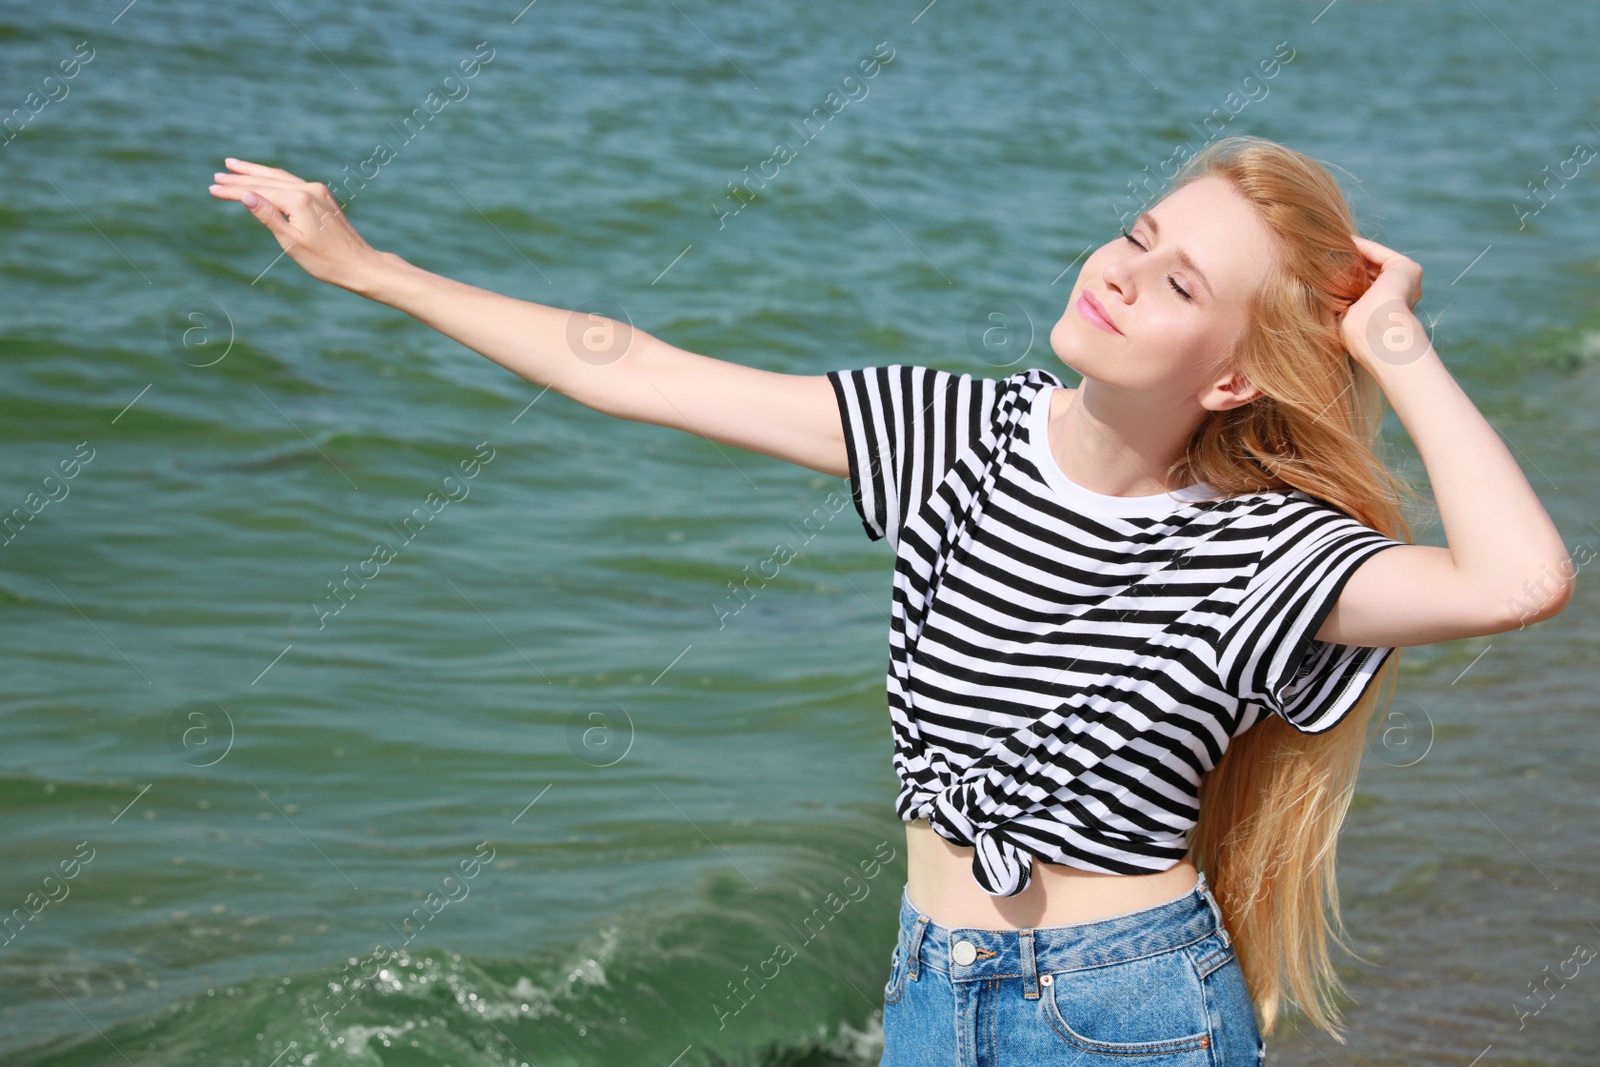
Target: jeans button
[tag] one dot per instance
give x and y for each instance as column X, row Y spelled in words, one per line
column 964, row 952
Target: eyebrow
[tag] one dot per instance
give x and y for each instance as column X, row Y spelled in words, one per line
column 1183, row 257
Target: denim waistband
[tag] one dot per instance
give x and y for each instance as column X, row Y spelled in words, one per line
column 1174, row 924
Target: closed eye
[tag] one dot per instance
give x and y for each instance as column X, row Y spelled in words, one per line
column 1176, row 288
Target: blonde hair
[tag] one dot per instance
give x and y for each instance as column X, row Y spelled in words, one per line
column 1271, row 810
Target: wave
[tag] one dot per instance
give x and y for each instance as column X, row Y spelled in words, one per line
column 790, row 972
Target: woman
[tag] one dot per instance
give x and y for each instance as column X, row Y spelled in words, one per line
column 1136, row 623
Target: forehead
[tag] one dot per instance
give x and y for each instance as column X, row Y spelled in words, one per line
column 1220, row 229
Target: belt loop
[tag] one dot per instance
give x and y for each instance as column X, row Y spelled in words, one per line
column 1204, row 889
column 1030, row 967
column 914, row 949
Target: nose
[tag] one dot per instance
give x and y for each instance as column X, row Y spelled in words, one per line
column 1118, row 276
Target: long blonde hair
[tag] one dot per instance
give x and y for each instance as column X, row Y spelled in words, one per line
column 1271, row 810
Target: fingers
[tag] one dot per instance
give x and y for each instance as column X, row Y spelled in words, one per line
column 288, row 192
column 283, row 195
column 228, row 192
column 1384, row 257
column 290, row 188
column 258, row 181
column 1373, row 250
column 1385, row 262
column 269, row 213
column 1376, row 252
column 246, row 167
column 261, row 187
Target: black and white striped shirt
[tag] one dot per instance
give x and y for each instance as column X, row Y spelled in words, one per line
column 1065, row 666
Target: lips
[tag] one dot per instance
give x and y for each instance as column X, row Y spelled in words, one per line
column 1095, row 312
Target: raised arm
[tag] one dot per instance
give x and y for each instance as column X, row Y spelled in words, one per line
column 1505, row 566
column 601, row 363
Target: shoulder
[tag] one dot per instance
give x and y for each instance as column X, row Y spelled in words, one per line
column 1282, row 508
column 922, row 393
column 1279, row 524
column 1035, row 378
column 1016, row 392
column 1032, row 378
column 1296, row 509
column 1300, row 532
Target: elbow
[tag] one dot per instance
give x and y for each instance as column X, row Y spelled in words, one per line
column 615, row 379
column 1563, row 596
column 1537, row 600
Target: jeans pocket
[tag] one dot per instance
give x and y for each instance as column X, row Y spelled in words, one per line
column 895, row 988
column 1146, row 1007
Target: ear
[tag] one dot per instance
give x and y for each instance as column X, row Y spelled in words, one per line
column 1228, row 393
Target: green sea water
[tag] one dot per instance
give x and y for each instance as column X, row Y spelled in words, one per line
column 528, row 789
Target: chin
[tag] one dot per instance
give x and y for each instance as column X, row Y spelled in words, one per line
column 1071, row 350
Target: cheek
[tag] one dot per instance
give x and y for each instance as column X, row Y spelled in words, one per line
column 1088, row 274
column 1196, row 345
column 1175, row 337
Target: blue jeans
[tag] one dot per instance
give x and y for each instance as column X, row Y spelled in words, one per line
column 1158, row 986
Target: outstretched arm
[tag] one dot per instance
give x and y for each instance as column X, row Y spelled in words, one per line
column 1505, row 565
column 599, row 362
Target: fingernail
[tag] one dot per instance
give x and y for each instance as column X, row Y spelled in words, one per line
column 250, row 199
column 230, row 159
column 219, row 175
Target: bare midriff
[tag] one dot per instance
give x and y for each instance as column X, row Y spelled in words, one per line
column 940, row 884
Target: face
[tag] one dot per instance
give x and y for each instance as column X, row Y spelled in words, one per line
column 1205, row 240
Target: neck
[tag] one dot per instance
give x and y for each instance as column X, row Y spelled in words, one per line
column 1118, row 443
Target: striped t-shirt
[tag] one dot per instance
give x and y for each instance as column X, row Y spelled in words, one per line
column 1065, row 666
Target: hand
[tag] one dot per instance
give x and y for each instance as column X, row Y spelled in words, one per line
column 1380, row 326
column 315, row 234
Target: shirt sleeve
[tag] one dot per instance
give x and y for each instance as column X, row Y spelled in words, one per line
column 1270, row 649
column 904, row 426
